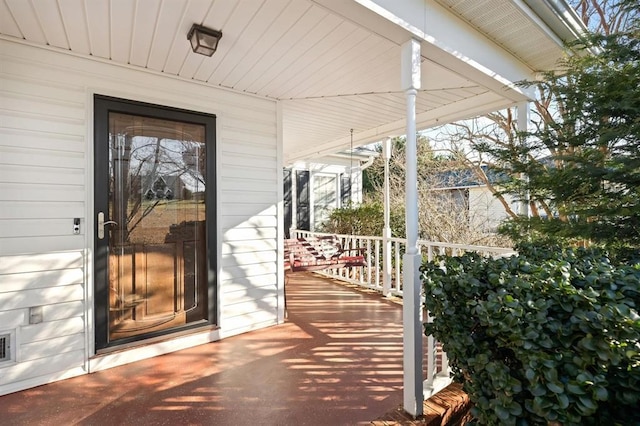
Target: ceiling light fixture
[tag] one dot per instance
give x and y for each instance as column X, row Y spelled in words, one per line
column 204, row 40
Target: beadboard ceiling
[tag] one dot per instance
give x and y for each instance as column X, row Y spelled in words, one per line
column 333, row 64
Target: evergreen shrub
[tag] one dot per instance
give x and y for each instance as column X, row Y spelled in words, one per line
column 550, row 336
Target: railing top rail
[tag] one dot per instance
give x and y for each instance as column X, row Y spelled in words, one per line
column 466, row 247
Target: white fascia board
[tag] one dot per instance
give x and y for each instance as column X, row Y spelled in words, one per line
column 559, row 17
column 453, row 43
column 341, row 161
column 320, row 166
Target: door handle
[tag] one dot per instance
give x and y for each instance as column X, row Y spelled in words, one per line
column 102, row 224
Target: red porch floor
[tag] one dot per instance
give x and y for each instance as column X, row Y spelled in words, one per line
column 336, row 361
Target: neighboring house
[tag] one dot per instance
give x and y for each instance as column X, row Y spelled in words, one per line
column 313, row 189
column 102, row 101
column 166, row 170
column 483, row 210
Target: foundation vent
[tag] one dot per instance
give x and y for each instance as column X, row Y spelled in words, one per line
column 5, row 347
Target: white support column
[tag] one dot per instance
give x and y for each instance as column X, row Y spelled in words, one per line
column 411, row 311
column 386, row 232
column 523, row 125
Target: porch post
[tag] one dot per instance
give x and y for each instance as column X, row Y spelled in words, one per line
column 411, row 312
column 386, row 232
column 523, row 125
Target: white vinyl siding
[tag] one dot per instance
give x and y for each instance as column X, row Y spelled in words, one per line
column 56, row 346
column 486, row 211
column 46, row 180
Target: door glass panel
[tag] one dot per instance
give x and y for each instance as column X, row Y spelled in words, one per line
column 157, row 251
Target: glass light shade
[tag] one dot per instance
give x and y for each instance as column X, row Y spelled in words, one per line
column 204, row 40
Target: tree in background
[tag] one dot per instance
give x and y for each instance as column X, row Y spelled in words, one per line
column 605, row 16
column 444, row 213
column 589, row 183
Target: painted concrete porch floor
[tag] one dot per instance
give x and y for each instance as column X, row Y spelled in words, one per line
column 336, row 361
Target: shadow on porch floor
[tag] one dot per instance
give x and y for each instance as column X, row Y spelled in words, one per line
column 336, row 361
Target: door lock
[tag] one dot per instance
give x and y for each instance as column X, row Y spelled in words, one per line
column 102, row 224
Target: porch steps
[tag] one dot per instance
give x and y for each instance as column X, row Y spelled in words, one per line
column 449, row 407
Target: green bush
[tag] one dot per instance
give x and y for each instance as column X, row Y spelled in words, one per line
column 549, row 336
column 363, row 219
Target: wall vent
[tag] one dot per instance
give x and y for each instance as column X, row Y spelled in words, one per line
column 5, row 347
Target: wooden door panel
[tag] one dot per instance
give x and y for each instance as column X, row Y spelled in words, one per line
column 159, row 279
column 156, row 286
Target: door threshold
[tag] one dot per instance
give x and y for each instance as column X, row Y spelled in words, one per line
column 149, row 348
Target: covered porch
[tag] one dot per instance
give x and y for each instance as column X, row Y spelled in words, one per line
column 291, row 81
column 336, row 360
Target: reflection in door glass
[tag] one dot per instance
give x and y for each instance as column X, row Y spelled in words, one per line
column 157, row 274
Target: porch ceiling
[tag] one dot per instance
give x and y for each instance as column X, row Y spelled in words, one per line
column 333, row 64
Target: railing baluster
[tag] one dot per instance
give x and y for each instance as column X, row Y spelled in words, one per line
column 444, row 368
column 430, row 358
column 369, row 267
column 398, row 268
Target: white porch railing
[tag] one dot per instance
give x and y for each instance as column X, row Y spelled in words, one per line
column 372, row 276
